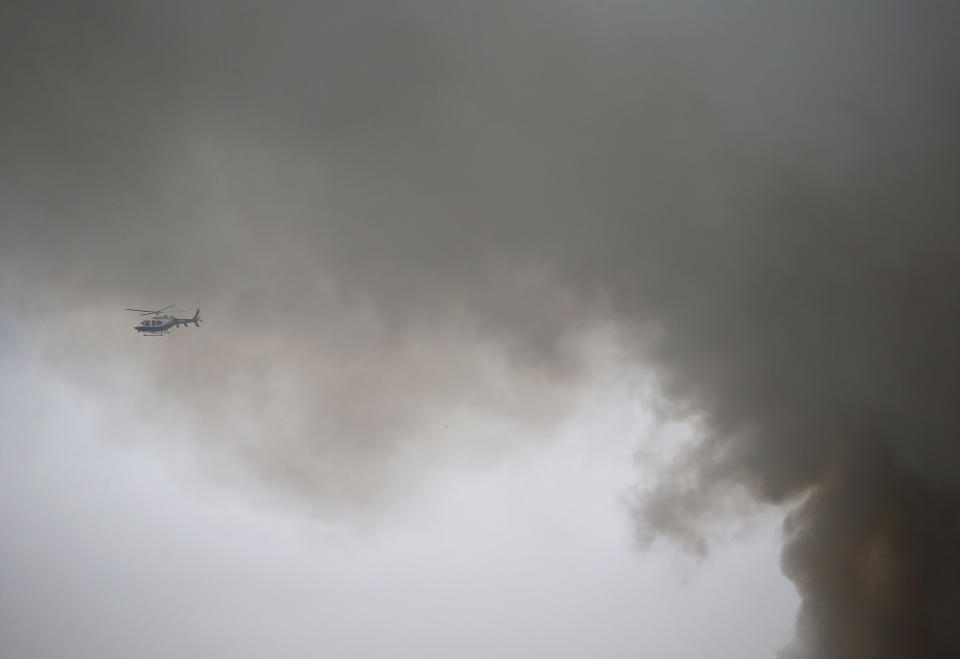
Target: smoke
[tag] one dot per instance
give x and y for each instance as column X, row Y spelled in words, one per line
column 395, row 209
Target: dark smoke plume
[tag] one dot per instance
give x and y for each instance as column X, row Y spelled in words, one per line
column 404, row 207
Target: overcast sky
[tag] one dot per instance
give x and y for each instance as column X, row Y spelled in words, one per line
column 525, row 325
column 123, row 543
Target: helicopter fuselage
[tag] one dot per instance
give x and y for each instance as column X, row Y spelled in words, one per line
column 158, row 325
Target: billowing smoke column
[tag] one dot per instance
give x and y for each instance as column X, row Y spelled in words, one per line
column 765, row 199
column 839, row 389
column 872, row 554
column 827, row 369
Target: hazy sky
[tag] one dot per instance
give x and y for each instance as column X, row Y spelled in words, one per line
column 495, row 295
column 126, row 546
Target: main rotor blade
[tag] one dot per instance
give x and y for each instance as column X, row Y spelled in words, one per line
column 146, row 311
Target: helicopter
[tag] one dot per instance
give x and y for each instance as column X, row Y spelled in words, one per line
column 161, row 323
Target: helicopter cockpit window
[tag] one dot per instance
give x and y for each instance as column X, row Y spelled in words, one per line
column 146, row 322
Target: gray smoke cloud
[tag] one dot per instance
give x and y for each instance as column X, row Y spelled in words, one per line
column 395, row 214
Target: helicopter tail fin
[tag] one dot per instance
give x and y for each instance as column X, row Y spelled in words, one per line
column 196, row 318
